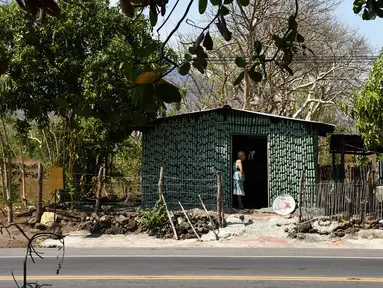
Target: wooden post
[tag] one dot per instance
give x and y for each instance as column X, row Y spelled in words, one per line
column 300, row 192
column 211, row 220
column 219, row 198
column 161, row 184
column 187, row 218
column 39, row 208
column 169, row 217
column 99, row 189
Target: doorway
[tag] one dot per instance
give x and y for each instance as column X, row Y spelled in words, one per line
column 255, row 167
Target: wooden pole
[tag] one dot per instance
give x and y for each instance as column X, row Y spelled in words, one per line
column 99, row 189
column 169, row 217
column 161, row 183
column 187, row 218
column 219, row 198
column 300, row 192
column 39, row 208
column 208, row 215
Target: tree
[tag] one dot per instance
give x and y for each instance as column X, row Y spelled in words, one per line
column 366, row 106
column 320, row 79
column 93, row 69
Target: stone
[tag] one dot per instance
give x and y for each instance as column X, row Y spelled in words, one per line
column 340, row 234
column 200, row 229
column 48, row 218
column 122, row 220
column 190, row 236
column 40, row 226
column 95, row 216
column 103, row 218
column 304, row 227
column 351, row 230
column 301, row 236
column 181, row 220
column 313, row 231
column 106, row 208
column 32, row 221
column 367, row 226
column 380, row 222
column 287, row 230
column 190, row 231
column 132, row 225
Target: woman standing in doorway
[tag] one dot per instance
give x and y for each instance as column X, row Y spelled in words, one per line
column 239, row 178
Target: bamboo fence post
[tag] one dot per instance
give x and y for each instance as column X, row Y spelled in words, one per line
column 300, row 192
column 161, row 183
column 169, row 217
column 99, row 189
column 187, row 218
column 208, row 215
column 39, row 208
column 219, row 198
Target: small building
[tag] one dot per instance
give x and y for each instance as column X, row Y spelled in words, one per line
column 192, row 147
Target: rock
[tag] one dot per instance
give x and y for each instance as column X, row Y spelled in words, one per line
column 40, row 226
column 287, row 230
column 132, row 225
column 103, row 218
column 32, row 221
column 181, row 220
column 351, row 230
column 95, row 216
column 313, row 231
column 107, row 208
column 151, row 233
column 190, row 236
column 372, row 222
column 123, row 220
column 48, row 218
column 380, row 222
column 200, row 229
column 340, row 234
column 301, row 236
column 367, row 226
column 304, row 227
column 344, row 226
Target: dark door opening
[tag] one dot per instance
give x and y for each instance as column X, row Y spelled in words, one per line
column 255, row 167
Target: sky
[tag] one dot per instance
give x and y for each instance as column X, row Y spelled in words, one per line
column 344, row 12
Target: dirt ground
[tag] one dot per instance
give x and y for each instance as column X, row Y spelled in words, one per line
column 13, row 238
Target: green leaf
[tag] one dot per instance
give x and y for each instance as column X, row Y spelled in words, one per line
column 257, row 47
column 202, row 6
column 300, row 38
column 293, row 25
column 61, row 103
column 188, row 57
column 146, row 51
column 239, row 79
column 255, row 76
column 138, row 92
column 184, row 69
column 226, row 2
column 379, row 12
column 168, row 93
column 365, row 15
column 208, row 42
column 240, row 62
column 278, row 41
column 243, row 2
column 148, row 102
column 153, row 16
column 84, row 111
column 138, row 118
column 215, row 2
column 224, row 11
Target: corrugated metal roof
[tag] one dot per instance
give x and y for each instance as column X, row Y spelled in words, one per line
column 320, row 126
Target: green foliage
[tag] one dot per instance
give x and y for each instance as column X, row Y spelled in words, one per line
column 152, row 218
column 367, row 105
column 371, row 8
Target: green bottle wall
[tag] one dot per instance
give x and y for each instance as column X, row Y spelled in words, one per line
column 192, row 147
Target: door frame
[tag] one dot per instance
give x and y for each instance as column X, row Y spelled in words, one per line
column 263, row 136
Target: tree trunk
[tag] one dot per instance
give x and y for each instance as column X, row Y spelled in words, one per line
column 23, row 184
column 8, row 171
column 246, row 92
column 39, row 208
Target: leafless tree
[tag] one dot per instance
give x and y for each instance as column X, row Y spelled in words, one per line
column 321, row 79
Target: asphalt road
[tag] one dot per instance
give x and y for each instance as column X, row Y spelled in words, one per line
column 199, row 267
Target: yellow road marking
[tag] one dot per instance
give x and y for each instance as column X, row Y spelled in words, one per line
column 197, row 278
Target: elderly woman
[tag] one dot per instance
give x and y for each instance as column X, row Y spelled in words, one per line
column 239, row 178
